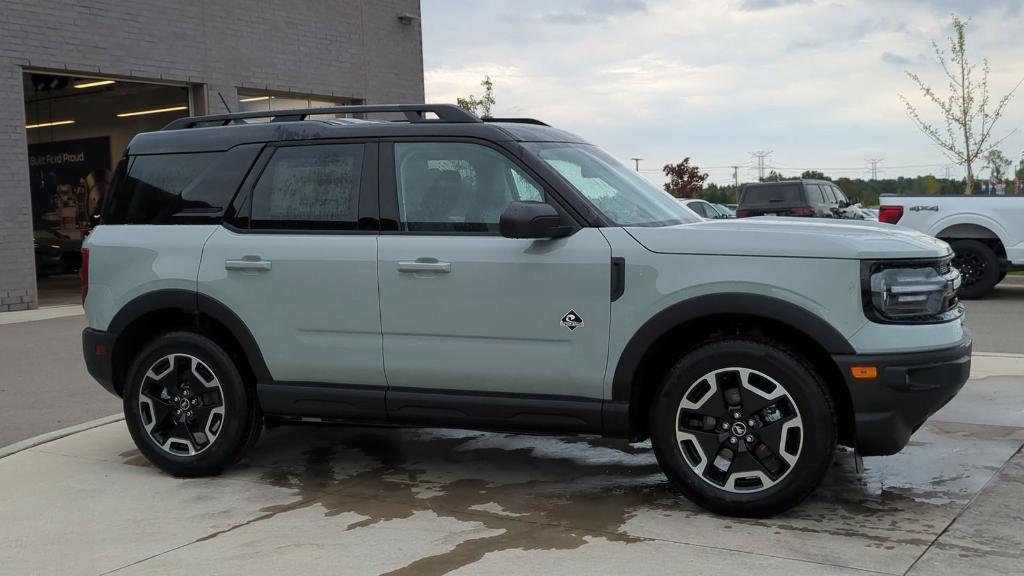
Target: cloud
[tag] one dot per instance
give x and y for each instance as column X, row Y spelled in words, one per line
column 891, row 58
column 816, row 81
column 768, row 4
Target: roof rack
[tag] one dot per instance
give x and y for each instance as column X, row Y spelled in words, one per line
column 517, row 121
column 414, row 113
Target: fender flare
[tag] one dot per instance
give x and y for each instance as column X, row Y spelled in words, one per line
column 787, row 313
column 978, row 220
column 194, row 304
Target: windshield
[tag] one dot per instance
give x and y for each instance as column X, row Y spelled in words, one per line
column 620, row 194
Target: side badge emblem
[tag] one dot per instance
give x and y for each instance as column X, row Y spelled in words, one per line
column 572, row 320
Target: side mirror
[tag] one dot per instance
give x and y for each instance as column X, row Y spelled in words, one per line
column 532, row 220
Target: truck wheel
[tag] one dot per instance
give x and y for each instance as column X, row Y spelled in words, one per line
column 743, row 427
column 978, row 266
column 186, row 406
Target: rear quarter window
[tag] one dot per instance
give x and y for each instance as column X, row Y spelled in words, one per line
column 178, row 188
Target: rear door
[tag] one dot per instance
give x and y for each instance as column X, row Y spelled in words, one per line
column 299, row 268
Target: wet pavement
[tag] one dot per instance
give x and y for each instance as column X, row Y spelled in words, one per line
column 331, row 500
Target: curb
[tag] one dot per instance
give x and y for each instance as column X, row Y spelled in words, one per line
column 44, row 313
column 997, row 354
column 57, row 435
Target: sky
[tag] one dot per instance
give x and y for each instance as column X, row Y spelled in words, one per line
column 815, row 82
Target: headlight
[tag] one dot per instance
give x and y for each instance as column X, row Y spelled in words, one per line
column 911, row 291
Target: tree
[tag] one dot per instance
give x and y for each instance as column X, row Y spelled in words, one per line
column 814, row 175
column 719, row 194
column 966, row 110
column 997, row 165
column 774, row 176
column 684, row 180
column 479, row 106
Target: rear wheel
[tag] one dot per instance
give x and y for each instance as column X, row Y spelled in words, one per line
column 978, row 266
column 743, row 427
column 187, row 407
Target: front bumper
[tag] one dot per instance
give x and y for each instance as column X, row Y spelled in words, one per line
column 98, row 349
column 908, row 389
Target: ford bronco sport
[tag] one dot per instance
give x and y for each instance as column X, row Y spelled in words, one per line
column 504, row 275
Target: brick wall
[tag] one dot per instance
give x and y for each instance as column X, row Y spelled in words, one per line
column 349, row 48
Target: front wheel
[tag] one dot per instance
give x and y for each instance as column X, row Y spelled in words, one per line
column 743, row 427
column 186, row 406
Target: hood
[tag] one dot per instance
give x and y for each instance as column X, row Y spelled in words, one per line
column 792, row 237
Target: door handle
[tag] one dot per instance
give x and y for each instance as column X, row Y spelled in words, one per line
column 247, row 263
column 424, row 265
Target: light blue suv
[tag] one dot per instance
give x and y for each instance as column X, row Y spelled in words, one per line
column 505, row 275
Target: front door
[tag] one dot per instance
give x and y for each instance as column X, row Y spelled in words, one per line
column 475, row 320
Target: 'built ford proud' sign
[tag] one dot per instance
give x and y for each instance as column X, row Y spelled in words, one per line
column 62, row 174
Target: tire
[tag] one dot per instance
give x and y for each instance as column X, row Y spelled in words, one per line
column 784, row 407
column 188, row 372
column 979, row 268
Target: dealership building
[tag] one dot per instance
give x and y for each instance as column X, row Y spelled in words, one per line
column 78, row 79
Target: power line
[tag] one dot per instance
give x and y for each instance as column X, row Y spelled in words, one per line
column 874, row 167
column 761, row 155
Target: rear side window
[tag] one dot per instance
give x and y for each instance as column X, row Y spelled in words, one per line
column 178, row 188
column 310, row 187
column 823, row 194
column 153, row 190
column 789, row 194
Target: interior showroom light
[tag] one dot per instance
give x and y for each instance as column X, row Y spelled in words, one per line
column 153, row 111
column 255, row 98
column 48, row 124
column 94, row 84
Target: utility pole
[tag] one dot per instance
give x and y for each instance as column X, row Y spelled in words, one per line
column 761, row 155
column 874, row 167
column 636, row 162
column 735, row 175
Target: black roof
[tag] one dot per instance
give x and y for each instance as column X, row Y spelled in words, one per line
column 793, row 181
column 221, row 132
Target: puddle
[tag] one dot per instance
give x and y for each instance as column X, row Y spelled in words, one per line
column 548, row 493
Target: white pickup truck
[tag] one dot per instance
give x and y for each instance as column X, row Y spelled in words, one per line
column 986, row 232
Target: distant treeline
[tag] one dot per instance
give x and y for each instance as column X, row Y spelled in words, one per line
column 864, row 191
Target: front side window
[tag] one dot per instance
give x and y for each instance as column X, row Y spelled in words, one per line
column 457, row 187
column 309, row 187
column 620, row 194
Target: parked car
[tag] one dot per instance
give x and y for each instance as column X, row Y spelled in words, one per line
column 986, row 233
column 808, row 198
column 500, row 275
column 56, row 253
column 724, row 209
column 703, row 208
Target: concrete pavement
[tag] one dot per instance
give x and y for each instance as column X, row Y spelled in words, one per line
column 329, row 500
